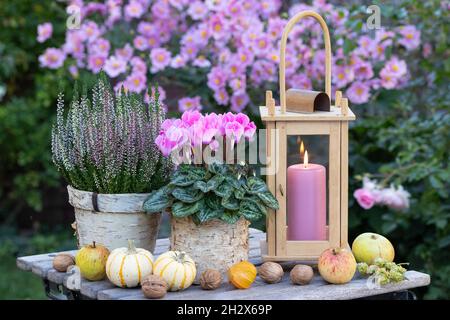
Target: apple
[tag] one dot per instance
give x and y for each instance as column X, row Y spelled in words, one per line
column 91, row 260
column 369, row 246
column 337, row 265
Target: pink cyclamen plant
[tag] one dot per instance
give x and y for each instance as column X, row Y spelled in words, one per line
column 195, row 130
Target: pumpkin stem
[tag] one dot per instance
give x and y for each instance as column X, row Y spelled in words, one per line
column 181, row 256
column 131, row 247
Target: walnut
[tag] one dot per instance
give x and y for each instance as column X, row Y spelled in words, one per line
column 271, row 272
column 210, row 279
column 62, row 261
column 154, row 287
column 302, row 274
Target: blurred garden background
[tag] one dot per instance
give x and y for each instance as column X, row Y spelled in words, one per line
column 220, row 56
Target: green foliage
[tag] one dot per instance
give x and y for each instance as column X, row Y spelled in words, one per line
column 217, row 191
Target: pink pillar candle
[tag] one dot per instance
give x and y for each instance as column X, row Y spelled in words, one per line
column 306, row 202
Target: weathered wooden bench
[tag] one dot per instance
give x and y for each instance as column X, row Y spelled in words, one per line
column 55, row 283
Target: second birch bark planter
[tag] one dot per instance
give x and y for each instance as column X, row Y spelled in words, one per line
column 113, row 219
column 214, row 244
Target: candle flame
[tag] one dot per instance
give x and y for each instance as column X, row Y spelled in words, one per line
column 305, row 159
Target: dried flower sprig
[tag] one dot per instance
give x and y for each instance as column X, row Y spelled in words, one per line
column 106, row 144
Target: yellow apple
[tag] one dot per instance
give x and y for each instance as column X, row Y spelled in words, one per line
column 369, row 246
column 91, row 260
column 337, row 265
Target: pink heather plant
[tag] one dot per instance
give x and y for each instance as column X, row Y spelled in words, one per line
column 230, row 46
column 195, row 130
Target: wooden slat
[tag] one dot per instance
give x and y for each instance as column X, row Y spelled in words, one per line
column 271, row 150
column 344, row 183
column 334, row 186
column 280, row 186
column 334, row 115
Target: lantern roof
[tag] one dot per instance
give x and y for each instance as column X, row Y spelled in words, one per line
column 334, row 114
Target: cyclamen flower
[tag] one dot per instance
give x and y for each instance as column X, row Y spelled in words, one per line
column 52, row 58
column 188, row 103
column 160, row 58
column 410, row 37
column 358, row 92
column 234, row 131
column 45, row 31
column 115, row 66
column 197, row 10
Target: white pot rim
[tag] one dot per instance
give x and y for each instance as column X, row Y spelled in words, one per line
column 112, row 203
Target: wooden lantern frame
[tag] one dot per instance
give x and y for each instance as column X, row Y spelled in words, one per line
column 279, row 125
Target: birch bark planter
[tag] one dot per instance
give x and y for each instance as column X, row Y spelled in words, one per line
column 113, row 219
column 212, row 245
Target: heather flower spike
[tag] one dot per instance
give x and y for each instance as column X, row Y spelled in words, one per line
column 105, row 143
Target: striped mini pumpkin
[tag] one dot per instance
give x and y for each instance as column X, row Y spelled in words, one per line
column 126, row 267
column 176, row 268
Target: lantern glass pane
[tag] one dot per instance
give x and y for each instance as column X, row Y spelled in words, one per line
column 307, row 187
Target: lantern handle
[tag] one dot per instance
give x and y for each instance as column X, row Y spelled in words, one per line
column 326, row 38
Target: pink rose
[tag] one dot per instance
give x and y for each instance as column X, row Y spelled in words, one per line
column 365, row 198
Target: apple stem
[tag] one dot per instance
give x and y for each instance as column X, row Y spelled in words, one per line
column 93, row 244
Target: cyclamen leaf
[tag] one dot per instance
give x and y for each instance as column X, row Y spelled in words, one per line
column 180, row 209
column 239, row 194
column 256, row 185
column 269, row 200
column 230, row 217
column 218, row 168
column 230, row 203
column 224, row 190
column 201, row 185
column 213, row 201
column 188, row 195
column 206, row 213
column 233, row 181
column 182, row 180
column 158, row 200
column 250, row 210
column 214, row 182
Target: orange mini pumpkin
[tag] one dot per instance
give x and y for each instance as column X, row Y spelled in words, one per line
column 242, row 274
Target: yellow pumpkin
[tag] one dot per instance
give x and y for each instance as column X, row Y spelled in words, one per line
column 242, row 274
column 126, row 267
column 176, row 268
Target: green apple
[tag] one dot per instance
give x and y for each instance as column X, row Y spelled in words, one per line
column 369, row 246
column 91, row 260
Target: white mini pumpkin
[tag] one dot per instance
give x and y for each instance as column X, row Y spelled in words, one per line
column 126, row 267
column 176, row 268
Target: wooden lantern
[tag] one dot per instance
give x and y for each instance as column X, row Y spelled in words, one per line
column 282, row 125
